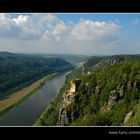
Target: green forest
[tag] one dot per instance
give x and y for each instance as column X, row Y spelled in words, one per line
column 107, row 94
column 19, row 70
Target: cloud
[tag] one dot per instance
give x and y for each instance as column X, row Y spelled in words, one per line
column 7, row 27
column 59, row 33
column 21, row 19
column 28, row 28
column 45, row 21
column 95, row 31
column 18, row 28
column 84, row 31
column 48, row 33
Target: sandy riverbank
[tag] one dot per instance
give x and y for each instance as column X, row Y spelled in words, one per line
column 16, row 96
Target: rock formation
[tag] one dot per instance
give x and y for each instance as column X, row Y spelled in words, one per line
column 66, row 114
column 69, row 107
column 103, row 109
column 113, row 98
column 117, row 93
column 129, row 85
column 128, row 116
column 86, row 86
column 88, row 73
column 120, row 90
column 97, row 89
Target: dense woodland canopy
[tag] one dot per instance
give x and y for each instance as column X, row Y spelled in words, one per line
column 106, row 96
column 18, row 70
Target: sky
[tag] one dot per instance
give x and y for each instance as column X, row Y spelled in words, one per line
column 82, row 34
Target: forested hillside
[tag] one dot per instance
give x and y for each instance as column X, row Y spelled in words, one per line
column 95, row 62
column 18, row 70
column 73, row 59
column 106, row 94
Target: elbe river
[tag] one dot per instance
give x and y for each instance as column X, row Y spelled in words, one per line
column 27, row 113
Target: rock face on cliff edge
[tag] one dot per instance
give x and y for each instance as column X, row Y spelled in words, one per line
column 66, row 114
column 118, row 93
column 128, row 116
column 113, row 98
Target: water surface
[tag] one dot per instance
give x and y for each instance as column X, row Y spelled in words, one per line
column 29, row 111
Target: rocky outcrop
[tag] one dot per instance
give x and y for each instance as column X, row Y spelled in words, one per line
column 113, row 61
column 72, row 87
column 103, row 109
column 128, row 116
column 98, row 89
column 86, row 86
column 133, row 85
column 67, row 113
column 120, row 90
column 129, row 85
column 136, row 85
column 115, row 95
column 88, row 73
column 118, row 93
column 63, row 117
column 113, row 98
column 69, row 108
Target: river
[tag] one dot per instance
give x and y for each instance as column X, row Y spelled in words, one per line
column 27, row 113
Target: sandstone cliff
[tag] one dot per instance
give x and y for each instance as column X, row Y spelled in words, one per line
column 67, row 111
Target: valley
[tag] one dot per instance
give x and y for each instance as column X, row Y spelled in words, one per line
column 28, row 111
column 29, row 81
column 18, row 97
column 105, row 91
column 70, row 69
column 93, row 91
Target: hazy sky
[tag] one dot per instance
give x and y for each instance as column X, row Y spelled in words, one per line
column 87, row 34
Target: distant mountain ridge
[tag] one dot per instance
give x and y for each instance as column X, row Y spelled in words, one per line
column 5, row 53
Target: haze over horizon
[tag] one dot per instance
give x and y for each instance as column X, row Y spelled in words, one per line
column 83, row 34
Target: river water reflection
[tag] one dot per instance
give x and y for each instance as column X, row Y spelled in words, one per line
column 29, row 111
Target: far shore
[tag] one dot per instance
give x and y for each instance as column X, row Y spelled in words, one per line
column 19, row 96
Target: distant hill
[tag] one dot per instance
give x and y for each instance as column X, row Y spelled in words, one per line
column 73, row 59
column 94, row 62
column 18, row 70
column 5, row 54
